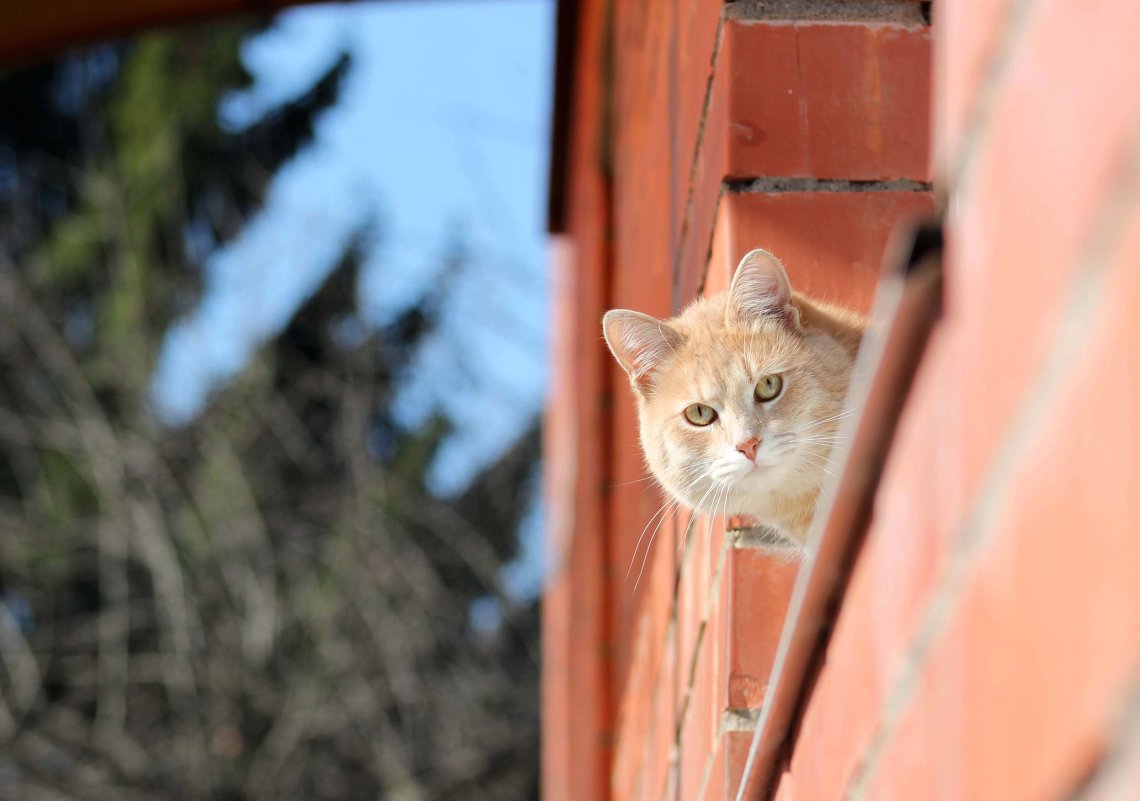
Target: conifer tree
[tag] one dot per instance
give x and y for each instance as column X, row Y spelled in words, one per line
column 265, row 603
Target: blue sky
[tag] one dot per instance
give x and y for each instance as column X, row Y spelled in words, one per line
column 442, row 124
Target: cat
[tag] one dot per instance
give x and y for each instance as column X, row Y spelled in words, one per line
column 739, row 396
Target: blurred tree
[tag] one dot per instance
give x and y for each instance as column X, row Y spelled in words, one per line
column 267, row 603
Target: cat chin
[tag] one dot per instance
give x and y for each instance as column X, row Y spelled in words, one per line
column 754, row 493
column 745, row 498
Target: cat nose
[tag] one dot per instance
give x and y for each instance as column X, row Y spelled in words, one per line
column 748, row 447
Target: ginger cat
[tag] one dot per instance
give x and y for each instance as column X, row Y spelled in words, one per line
column 739, row 396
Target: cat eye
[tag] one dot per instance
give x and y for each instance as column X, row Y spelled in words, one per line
column 768, row 387
column 700, row 415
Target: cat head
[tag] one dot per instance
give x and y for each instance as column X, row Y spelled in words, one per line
column 737, row 400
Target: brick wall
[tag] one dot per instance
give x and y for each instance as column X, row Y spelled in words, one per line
column 991, row 626
column 980, row 633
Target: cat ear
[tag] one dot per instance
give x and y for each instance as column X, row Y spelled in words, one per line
column 639, row 342
column 761, row 290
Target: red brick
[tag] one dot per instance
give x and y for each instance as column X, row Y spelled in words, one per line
column 660, row 764
column 555, row 691
column 842, row 710
column 717, row 273
column 998, row 344
column 897, row 569
column 648, row 718
column 590, row 717
column 715, row 643
column 1052, row 149
column 670, row 790
column 579, row 719
column 694, row 587
column 703, row 211
column 748, row 212
column 699, row 727
column 760, row 583
column 921, row 497
column 736, row 747
column 559, row 476
column 831, row 243
column 785, row 788
column 659, row 603
column 1022, row 692
column 645, row 202
column 716, row 553
column 708, row 697
column 616, row 645
column 919, row 504
column 921, row 761
column 715, row 788
column 727, row 766
column 578, row 731
column 827, row 99
column 633, row 723
column 643, row 544
column 628, row 767
column 647, row 195
column 699, row 180
column 697, row 26
column 731, row 146
column 967, row 36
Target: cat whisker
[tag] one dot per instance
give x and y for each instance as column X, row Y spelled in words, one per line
column 823, row 420
column 710, row 532
column 684, row 537
column 816, row 440
column 722, row 492
column 815, row 435
column 825, row 455
column 699, row 469
column 645, row 558
column 635, row 481
column 723, row 507
column 673, row 507
column 819, row 463
column 662, row 510
column 820, row 431
column 708, row 529
column 641, row 537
